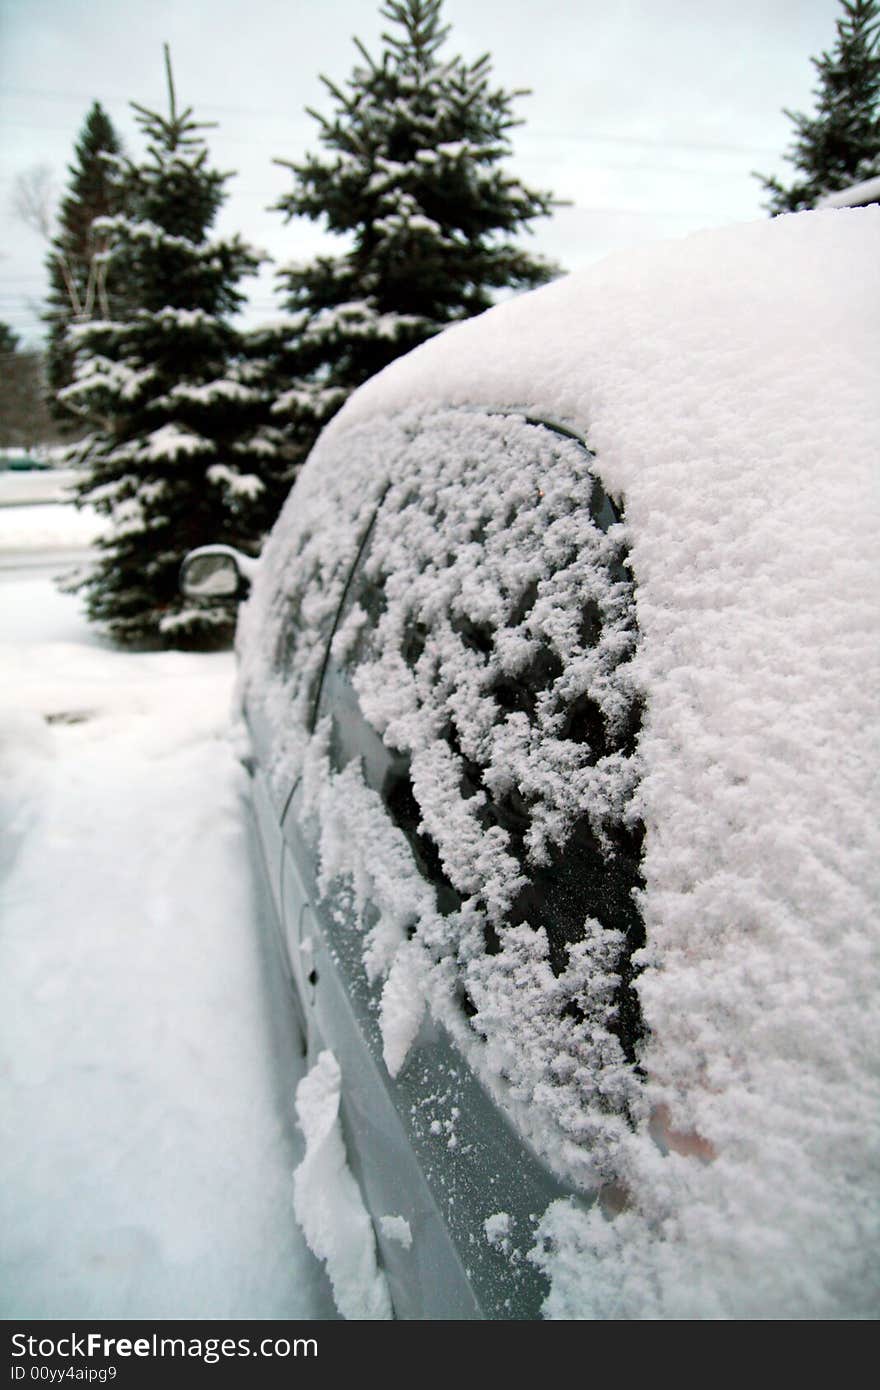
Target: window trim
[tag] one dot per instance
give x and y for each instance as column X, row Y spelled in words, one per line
column 364, row 542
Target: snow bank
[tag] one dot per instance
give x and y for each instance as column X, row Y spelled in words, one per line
column 49, row 526
column 727, row 384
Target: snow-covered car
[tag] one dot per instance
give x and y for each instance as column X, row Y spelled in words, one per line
column 558, row 670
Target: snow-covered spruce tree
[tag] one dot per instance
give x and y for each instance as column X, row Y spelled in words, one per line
column 269, row 363
column 77, row 266
column 413, row 177
column 840, row 144
column 177, row 449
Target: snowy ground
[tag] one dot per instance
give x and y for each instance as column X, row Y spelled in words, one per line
column 148, row 1060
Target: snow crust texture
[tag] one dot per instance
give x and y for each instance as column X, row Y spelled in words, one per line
column 488, row 651
column 328, row 1203
column 726, row 385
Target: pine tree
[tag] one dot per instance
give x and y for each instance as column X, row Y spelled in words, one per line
column 24, row 418
column 77, row 266
column 840, row 145
column 287, row 408
column 177, row 447
column 9, row 340
column 413, row 178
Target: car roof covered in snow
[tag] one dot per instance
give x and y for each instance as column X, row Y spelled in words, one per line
column 676, row 318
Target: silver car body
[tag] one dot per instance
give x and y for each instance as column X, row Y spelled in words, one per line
column 587, row 1162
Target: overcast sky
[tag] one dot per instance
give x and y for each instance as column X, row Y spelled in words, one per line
column 648, row 115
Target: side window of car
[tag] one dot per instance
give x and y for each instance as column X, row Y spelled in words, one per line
column 490, row 647
column 310, row 590
column 386, row 770
column 308, row 618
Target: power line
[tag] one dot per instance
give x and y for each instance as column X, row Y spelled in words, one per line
column 529, row 131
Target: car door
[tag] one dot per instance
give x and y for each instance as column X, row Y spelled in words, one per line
column 485, row 1185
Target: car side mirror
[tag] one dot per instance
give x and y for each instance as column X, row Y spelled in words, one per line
column 216, row 572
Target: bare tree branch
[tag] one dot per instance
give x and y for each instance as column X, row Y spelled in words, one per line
column 33, row 199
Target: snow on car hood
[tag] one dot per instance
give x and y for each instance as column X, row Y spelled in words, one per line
column 727, row 384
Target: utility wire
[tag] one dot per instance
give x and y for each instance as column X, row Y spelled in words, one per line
column 528, row 132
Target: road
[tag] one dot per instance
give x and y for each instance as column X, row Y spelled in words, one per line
column 40, row 529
